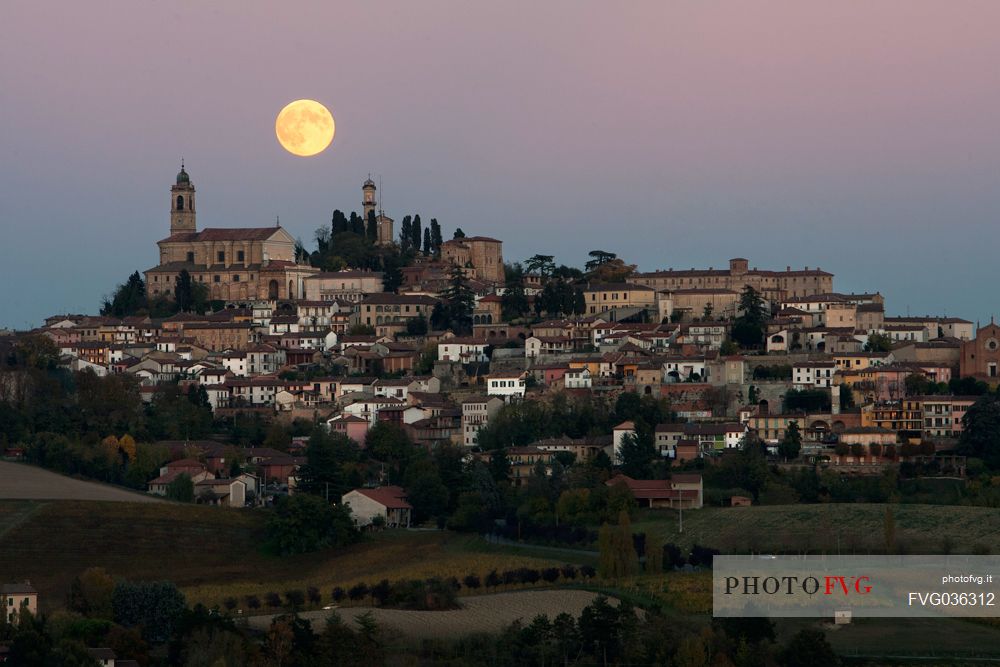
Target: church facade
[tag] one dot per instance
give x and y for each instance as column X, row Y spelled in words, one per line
column 235, row 264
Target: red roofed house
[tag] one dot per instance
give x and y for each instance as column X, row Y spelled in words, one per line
column 171, row 471
column 388, row 502
column 681, row 491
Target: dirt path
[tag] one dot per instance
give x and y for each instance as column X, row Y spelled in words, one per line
column 480, row 613
column 20, row 481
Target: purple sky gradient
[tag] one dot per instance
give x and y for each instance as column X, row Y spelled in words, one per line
column 861, row 137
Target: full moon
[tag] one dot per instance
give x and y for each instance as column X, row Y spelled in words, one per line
column 304, row 128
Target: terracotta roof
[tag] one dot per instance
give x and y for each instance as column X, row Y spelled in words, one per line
column 18, row 589
column 644, row 489
column 392, row 497
column 389, row 297
column 224, row 234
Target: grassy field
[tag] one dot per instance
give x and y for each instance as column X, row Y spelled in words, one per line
column 849, row 528
column 212, row 553
column 19, row 481
column 480, row 614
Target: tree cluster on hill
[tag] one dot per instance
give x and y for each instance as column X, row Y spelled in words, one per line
column 750, row 325
column 131, row 298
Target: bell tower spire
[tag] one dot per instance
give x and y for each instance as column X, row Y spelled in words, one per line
column 182, row 211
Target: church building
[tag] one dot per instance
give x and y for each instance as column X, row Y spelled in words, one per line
column 235, row 264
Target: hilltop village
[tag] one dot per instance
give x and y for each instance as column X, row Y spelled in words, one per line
column 440, row 338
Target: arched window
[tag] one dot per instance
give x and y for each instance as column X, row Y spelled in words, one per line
column 180, row 203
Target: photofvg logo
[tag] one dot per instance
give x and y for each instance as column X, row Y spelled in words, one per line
column 825, row 584
column 864, row 586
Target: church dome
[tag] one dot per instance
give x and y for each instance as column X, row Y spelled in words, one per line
column 182, row 177
column 369, row 183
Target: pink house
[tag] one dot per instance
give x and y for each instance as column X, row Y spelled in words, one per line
column 888, row 383
column 354, row 427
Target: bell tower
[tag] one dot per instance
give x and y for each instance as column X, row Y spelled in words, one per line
column 368, row 201
column 182, row 210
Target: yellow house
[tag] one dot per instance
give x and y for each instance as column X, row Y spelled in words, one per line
column 602, row 297
column 851, row 361
column 597, row 367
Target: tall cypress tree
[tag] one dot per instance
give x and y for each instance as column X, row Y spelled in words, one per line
column 459, row 301
column 427, row 241
column 371, row 229
column 405, row 232
column 339, row 222
column 416, row 233
column 436, row 239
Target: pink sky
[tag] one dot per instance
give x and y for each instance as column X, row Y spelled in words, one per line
column 857, row 136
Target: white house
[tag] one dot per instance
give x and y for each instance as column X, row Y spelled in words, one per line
column 388, row 502
column 464, row 350
column 507, row 384
column 234, row 362
column 679, row 369
column 368, row 408
column 225, row 492
column 476, row 413
column 577, row 378
column 813, row 374
column 618, row 434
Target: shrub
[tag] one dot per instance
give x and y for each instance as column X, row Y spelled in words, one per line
column 273, row 599
column 381, row 591
column 550, row 574
column 230, row 603
column 672, row 556
column 493, row 579
column 315, row 597
column 337, row 594
column 471, row 581
column 702, row 555
column 296, row 599
column 357, row 592
column 587, row 571
column 526, row 575
column 568, row 571
column 253, row 602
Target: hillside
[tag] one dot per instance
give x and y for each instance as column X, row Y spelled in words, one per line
column 25, row 482
column 211, row 552
column 829, row 527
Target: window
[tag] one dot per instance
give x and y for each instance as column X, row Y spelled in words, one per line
column 216, row 279
column 190, row 257
column 236, row 278
column 240, row 256
column 221, row 256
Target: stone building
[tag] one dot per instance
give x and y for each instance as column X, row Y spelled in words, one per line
column 772, row 285
column 981, row 355
column 369, row 203
column 235, row 264
column 347, row 285
column 482, row 254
